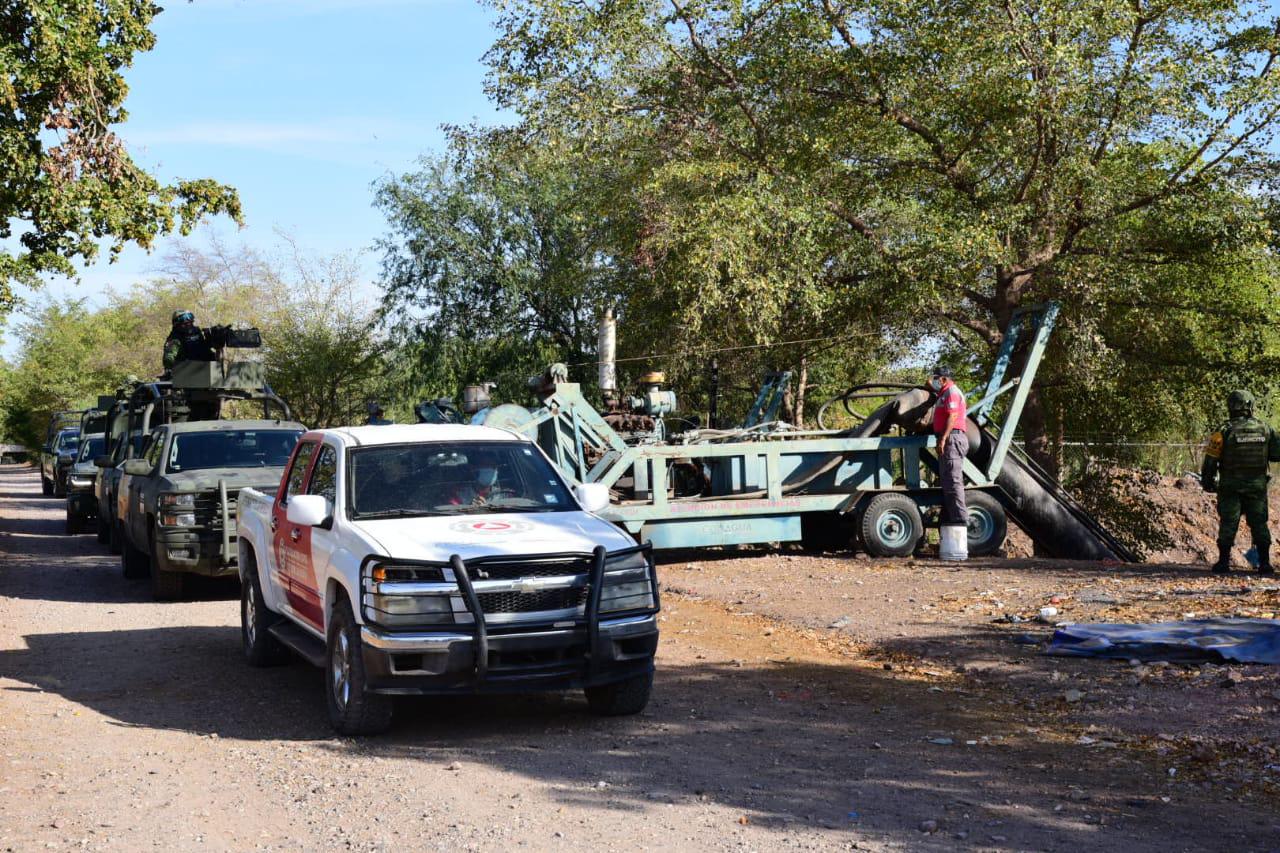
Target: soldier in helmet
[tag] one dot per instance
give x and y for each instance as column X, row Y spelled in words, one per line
column 186, row 341
column 376, row 416
column 1235, row 466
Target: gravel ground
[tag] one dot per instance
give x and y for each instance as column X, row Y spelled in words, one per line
column 914, row 723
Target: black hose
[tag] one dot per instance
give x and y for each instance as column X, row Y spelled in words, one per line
column 858, row 392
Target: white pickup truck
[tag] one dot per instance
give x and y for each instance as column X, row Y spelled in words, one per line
column 428, row 559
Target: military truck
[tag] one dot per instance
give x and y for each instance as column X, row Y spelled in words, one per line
column 177, row 503
column 178, row 464
column 81, row 506
column 56, row 458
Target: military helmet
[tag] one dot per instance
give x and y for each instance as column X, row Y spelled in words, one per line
column 183, row 316
column 1240, row 402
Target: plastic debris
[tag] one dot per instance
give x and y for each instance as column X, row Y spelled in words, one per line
column 1216, row 639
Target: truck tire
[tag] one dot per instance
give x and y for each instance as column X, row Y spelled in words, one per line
column 133, row 562
column 987, row 522
column 352, row 710
column 73, row 523
column 115, row 542
column 622, row 698
column 260, row 647
column 891, row 525
column 46, row 485
column 104, row 531
column 165, row 586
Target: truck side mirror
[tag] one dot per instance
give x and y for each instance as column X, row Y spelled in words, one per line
column 137, row 467
column 102, row 461
column 307, row 510
column 593, row 496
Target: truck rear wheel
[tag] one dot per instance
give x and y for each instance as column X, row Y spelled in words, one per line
column 104, row 531
column 621, row 698
column 352, row 710
column 260, row 647
column 987, row 523
column 115, row 542
column 891, row 525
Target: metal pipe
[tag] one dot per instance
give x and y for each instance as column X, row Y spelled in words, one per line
column 607, row 354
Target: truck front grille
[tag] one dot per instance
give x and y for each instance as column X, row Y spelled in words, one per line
column 207, row 512
column 532, row 602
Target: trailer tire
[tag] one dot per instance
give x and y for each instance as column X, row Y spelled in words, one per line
column 987, row 522
column 352, row 710
column 621, row 698
column 891, row 526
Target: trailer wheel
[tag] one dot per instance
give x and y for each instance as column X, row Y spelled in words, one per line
column 891, row 525
column 987, row 522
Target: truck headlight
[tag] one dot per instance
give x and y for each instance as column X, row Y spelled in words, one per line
column 178, row 519
column 628, row 583
column 80, row 482
column 178, row 500
column 391, row 600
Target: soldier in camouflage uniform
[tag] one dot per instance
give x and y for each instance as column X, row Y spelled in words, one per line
column 1235, row 466
column 186, row 341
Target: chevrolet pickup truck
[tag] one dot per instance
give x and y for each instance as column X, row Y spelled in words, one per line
column 432, row 559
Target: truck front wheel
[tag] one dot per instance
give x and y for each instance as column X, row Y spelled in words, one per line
column 46, row 486
column 165, row 586
column 621, row 698
column 352, row 710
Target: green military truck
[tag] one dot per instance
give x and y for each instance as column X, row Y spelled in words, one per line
column 181, row 450
column 177, row 503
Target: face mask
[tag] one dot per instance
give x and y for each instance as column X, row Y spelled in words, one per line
column 486, row 476
column 935, row 384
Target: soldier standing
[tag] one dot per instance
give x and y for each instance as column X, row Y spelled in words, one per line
column 376, row 417
column 1235, row 466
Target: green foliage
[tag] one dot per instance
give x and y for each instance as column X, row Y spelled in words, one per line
column 66, row 181
column 321, row 348
column 494, row 268
column 916, row 171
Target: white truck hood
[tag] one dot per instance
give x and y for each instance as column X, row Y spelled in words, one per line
column 437, row 538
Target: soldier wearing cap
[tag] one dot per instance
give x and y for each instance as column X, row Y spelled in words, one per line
column 953, row 443
column 1236, row 462
column 186, row 341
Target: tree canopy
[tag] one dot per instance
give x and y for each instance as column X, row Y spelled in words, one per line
column 67, row 184
column 922, row 170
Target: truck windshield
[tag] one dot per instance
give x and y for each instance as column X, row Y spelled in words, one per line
column 92, row 448
column 456, row 478
column 68, row 442
column 256, row 448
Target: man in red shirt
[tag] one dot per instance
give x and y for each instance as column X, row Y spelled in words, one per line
column 953, row 444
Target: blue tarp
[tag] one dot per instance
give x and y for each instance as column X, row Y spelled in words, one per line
column 1224, row 639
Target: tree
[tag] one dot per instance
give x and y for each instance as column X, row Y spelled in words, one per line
column 494, row 267
column 66, row 180
column 946, row 163
column 321, row 349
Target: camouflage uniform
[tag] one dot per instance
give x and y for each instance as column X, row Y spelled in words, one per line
column 1235, row 465
column 186, row 342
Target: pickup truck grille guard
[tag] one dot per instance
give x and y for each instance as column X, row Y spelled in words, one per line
column 481, row 628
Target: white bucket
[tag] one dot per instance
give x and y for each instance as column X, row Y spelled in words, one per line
column 955, row 542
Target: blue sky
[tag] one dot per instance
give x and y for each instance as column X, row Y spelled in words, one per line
column 301, row 105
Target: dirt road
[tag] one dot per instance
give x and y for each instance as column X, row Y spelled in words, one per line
column 131, row 725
